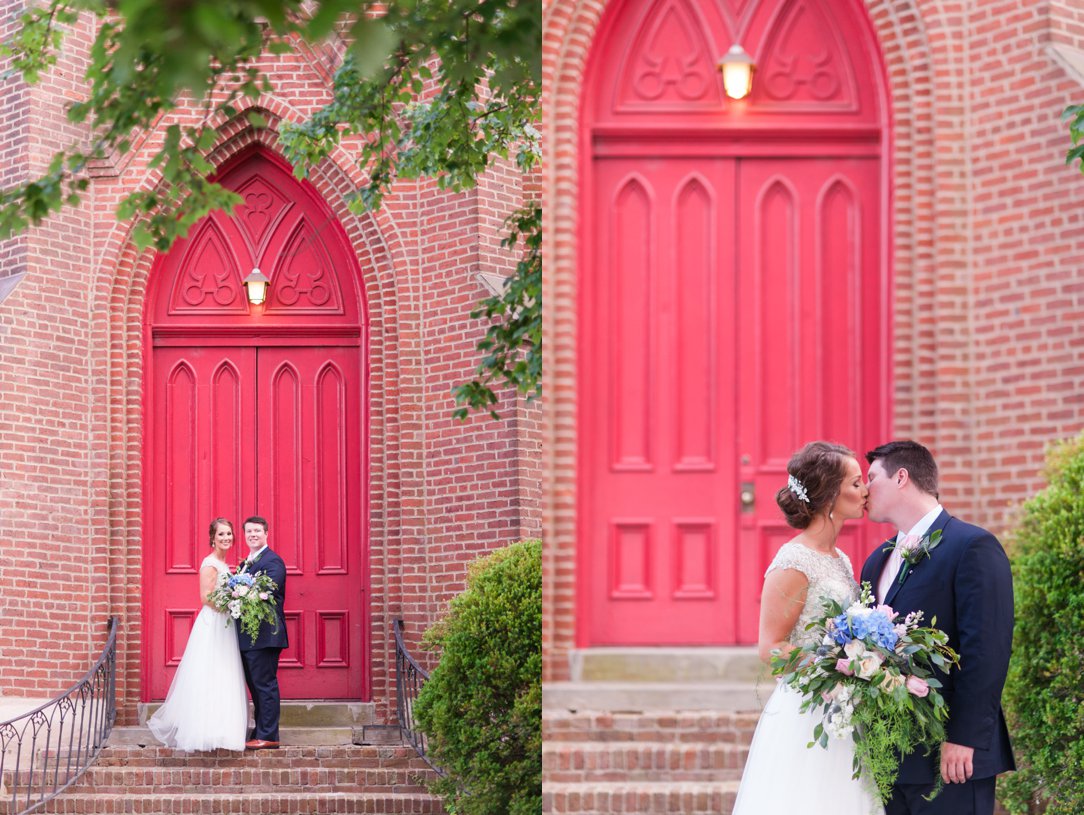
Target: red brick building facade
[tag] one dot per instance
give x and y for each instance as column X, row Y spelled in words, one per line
column 981, row 249
column 74, row 424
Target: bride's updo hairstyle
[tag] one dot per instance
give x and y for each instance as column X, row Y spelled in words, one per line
column 815, row 477
column 214, row 528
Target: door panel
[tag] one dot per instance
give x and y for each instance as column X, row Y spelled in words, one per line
column 201, row 467
column 808, row 292
column 654, row 400
column 309, row 490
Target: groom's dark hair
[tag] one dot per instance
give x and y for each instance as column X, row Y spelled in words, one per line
column 255, row 519
column 910, row 456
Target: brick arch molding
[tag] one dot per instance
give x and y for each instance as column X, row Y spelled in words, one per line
column 914, row 38
column 118, row 306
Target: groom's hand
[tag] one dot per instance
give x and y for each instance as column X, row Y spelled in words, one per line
column 956, row 766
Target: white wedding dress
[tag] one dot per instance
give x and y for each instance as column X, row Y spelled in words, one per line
column 781, row 774
column 206, row 707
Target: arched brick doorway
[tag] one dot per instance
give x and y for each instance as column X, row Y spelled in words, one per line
column 732, row 300
column 260, row 410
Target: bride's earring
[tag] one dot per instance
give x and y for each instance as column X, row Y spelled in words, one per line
column 831, row 515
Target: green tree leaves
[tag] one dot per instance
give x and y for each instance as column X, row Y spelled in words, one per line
column 434, row 88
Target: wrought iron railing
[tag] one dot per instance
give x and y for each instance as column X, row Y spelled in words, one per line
column 409, row 678
column 45, row 751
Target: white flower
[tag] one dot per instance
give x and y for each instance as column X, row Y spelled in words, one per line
column 235, row 609
column 838, row 721
column 242, row 591
column 869, row 665
column 855, row 649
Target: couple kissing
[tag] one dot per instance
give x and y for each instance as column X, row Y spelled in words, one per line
column 956, row 574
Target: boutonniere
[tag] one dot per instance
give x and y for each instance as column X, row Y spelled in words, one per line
column 913, row 549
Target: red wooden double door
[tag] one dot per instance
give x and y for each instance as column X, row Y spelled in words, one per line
column 260, row 411
column 733, row 281
column 726, row 329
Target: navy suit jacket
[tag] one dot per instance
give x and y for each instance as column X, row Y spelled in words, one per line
column 270, row 564
column 966, row 583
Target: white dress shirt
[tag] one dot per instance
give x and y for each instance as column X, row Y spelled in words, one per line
column 895, row 559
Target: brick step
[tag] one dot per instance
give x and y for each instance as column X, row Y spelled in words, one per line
column 688, row 798
column 360, row 778
column 576, row 762
column 656, row 726
column 141, row 736
column 239, row 779
column 310, row 756
column 267, row 800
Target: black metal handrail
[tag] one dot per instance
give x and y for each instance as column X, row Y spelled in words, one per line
column 45, row 751
column 409, row 678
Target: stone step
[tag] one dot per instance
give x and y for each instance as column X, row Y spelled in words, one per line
column 579, row 762
column 262, row 799
column 141, row 736
column 687, row 798
column 304, row 713
column 651, row 696
column 688, row 727
column 739, row 664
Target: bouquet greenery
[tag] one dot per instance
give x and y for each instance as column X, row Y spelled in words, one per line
column 247, row 598
column 873, row 675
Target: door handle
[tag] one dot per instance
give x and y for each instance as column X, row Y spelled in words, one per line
column 748, row 496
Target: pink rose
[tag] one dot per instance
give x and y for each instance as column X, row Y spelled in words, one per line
column 263, row 595
column 917, row 686
column 830, row 696
column 886, row 610
column 844, row 667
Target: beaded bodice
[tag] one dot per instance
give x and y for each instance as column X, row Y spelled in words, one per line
column 828, row 577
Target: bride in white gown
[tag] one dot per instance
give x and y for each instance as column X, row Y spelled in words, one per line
column 206, row 707
column 824, row 489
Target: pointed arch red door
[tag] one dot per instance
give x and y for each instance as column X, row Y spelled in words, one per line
column 732, row 301
column 260, row 411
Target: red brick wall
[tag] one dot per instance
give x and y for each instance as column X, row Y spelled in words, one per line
column 71, row 417
column 54, row 583
column 1028, row 248
column 985, row 262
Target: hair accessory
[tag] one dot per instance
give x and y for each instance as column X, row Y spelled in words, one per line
column 797, row 488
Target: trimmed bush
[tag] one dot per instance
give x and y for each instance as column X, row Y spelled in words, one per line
column 482, row 705
column 1044, row 695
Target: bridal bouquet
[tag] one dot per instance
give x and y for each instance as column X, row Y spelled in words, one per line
column 873, row 675
column 247, row 598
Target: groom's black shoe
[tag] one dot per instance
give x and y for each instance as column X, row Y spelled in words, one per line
column 261, row 744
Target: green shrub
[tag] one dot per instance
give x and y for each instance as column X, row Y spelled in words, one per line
column 482, row 705
column 1044, row 695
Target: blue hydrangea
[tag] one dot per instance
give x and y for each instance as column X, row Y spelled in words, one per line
column 841, row 629
column 874, row 627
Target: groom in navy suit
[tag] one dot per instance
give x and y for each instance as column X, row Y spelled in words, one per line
column 260, row 658
column 964, row 581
